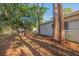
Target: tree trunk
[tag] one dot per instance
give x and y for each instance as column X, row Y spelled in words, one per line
column 55, row 21
column 61, row 23
column 38, row 18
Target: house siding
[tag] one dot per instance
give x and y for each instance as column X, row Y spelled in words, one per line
column 46, row 29
column 71, row 30
column 73, row 25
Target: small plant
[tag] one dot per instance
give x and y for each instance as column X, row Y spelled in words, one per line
column 68, row 36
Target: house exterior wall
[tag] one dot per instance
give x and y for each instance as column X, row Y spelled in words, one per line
column 73, row 22
column 73, row 28
column 72, row 18
column 72, row 35
column 46, row 29
column 73, row 25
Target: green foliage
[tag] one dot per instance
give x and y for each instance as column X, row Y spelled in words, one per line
column 67, row 11
column 68, row 36
column 20, row 15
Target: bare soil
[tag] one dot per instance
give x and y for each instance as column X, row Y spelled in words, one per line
column 36, row 45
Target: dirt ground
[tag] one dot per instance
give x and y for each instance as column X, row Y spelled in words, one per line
column 36, row 45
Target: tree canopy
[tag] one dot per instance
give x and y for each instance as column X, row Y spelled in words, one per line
column 67, row 11
column 20, row 15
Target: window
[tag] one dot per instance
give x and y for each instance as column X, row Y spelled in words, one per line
column 66, row 25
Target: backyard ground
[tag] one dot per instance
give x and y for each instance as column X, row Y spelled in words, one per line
column 35, row 45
